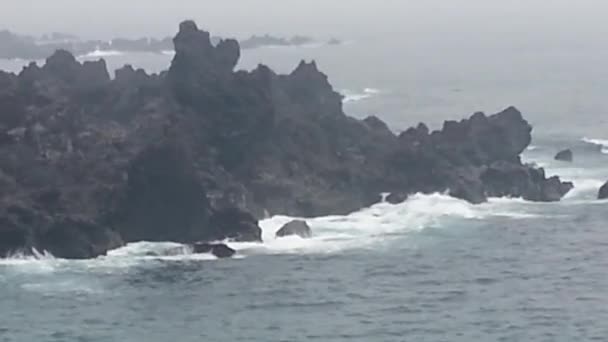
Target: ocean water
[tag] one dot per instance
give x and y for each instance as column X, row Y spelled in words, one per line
column 431, row 269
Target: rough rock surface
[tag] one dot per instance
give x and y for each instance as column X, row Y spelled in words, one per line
column 296, row 227
column 565, row 155
column 199, row 152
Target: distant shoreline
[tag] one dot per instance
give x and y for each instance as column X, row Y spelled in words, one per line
column 14, row 46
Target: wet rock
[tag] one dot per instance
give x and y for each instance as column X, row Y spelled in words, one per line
column 603, row 192
column 297, row 227
column 235, row 224
column 78, row 239
column 219, row 250
column 503, row 179
column 565, row 155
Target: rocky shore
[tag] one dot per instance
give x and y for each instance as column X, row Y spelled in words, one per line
column 200, row 152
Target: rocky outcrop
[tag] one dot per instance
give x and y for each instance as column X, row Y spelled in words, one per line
column 297, row 227
column 565, row 155
column 199, row 152
column 603, row 192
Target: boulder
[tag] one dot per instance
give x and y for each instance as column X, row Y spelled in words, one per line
column 296, row 227
column 220, row 250
column 603, row 192
column 565, row 155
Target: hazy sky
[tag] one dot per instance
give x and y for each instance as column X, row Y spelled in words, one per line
column 103, row 18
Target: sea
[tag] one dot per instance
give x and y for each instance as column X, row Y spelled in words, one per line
column 433, row 268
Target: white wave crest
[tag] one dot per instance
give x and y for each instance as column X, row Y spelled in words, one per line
column 377, row 224
column 102, row 53
column 353, row 96
column 33, row 262
column 599, row 142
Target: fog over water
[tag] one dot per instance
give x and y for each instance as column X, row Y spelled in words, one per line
column 560, row 20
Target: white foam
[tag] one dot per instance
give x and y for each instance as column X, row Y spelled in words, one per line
column 378, row 224
column 366, row 228
column 532, row 148
column 59, row 286
column 102, row 53
column 135, row 253
column 584, row 188
column 350, row 96
column 600, row 142
column 168, row 52
column 35, row 262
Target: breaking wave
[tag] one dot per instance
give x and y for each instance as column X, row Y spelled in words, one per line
column 379, row 223
column 603, row 143
column 351, row 96
column 102, row 53
column 364, row 229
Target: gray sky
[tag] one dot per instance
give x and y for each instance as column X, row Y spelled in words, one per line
column 104, row 18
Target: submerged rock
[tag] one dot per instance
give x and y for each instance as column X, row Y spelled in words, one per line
column 296, row 227
column 565, row 155
column 219, row 250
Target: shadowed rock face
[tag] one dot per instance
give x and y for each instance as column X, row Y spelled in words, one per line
column 199, row 152
column 603, row 193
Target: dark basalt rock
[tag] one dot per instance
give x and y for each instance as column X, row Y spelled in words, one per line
column 565, row 155
column 13, row 239
column 233, row 223
column 504, row 179
column 219, row 250
column 199, row 152
column 296, row 227
column 603, row 192
column 77, row 239
column 24, row 230
column 164, row 200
